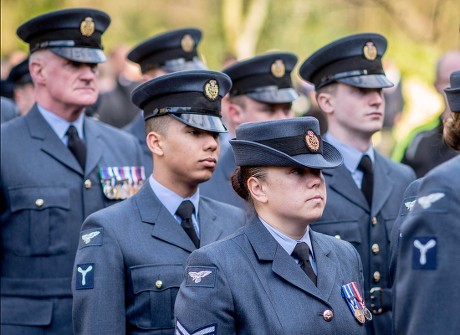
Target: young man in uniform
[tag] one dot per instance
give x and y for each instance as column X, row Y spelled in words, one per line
column 131, row 258
column 364, row 195
column 52, row 165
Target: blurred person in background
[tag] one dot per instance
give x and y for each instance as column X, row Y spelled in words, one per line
column 262, row 90
column 168, row 52
column 114, row 107
column 23, row 86
column 424, row 147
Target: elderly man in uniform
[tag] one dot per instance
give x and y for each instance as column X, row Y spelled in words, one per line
column 172, row 51
column 365, row 193
column 262, row 90
column 52, row 164
column 132, row 256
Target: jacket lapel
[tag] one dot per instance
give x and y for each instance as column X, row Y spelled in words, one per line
column 341, row 181
column 267, row 249
column 94, row 145
column 209, row 231
column 51, row 144
column 165, row 226
column 327, row 270
column 383, row 184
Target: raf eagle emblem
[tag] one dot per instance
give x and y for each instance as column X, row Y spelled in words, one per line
column 88, row 237
column 197, row 276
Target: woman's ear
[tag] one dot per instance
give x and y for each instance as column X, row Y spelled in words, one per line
column 257, row 188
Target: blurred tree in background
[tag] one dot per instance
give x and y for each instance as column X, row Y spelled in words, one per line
column 418, row 31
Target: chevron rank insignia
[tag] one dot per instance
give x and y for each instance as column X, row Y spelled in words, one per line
column 206, row 330
column 91, row 237
column 424, row 253
column 201, row 276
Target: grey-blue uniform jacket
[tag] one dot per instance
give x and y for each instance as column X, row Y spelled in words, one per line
column 428, row 270
column 132, row 257
column 137, row 128
column 45, row 197
column 248, row 284
column 347, row 216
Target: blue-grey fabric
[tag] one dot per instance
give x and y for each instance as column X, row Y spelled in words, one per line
column 39, row 242
column 142, row 243
column 406, row 206
column 260, row 289
column 427, row 299
column 137, row 128
column 347, row 215
column 8, row 110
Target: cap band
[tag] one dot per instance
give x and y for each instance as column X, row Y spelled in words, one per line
column 252, row 83
column 348, row 67
column 159, row 58
column 179, row 110
column 67, row 38
column 293, row 145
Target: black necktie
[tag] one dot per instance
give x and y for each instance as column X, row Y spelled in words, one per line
column 185, row 212
column 302, row 253
column 76, row 146
column 367, row 186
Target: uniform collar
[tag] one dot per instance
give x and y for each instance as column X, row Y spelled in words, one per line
column 285, row 241
column 60, row 125
column 172, row 200
column 351, row 156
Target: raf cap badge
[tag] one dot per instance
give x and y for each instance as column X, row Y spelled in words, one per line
column 278, row 69
column 87, row 27
column 211, row 90
column 187, row 43
column 370, row 51
column 312, row 141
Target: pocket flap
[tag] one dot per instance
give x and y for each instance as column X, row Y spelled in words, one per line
column 39, row 198
column 26, row 312
column 156, row 277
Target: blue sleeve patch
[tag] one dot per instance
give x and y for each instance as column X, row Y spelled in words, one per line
column 424, row 253
column 91, row 238
column 206, row 330
column 85, row 276
column 203, row 276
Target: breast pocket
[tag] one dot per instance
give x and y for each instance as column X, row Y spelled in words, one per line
column 347, row 230
column 40, row 215
column 155, row 289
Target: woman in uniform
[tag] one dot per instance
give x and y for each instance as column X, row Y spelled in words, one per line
column 275, row 275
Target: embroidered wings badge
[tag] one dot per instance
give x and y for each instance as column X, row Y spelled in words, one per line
column 196, row 276
column 430, row 199
column 88, row 237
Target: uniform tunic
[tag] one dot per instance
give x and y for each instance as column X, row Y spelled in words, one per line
column 45, row 197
